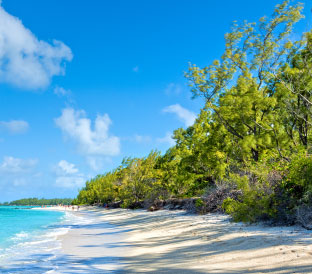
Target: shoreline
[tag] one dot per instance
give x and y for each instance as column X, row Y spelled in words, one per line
column 82, row 246
column 33, row 248
column 137, row 241
column 91, row 247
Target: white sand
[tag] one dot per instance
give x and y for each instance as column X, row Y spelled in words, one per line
column 175, row 242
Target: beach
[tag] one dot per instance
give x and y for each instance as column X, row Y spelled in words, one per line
column 137, row 241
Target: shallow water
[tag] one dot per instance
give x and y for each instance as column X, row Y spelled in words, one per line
column 19, row 223
column 28, row 239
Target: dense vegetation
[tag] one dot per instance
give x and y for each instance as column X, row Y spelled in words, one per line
column 251, row 140
column 39, row 202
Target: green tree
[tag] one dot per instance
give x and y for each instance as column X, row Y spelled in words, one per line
column 139, row 178
column 236, row 87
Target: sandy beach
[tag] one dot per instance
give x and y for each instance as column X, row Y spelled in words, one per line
column 125, row 241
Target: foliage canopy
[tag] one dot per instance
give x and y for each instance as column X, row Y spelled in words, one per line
column 254, row 123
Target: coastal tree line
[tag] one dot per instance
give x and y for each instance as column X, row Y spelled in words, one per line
column 38, row 202
column 250, row 145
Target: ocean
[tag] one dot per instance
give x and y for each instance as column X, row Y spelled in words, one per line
column 28, row 239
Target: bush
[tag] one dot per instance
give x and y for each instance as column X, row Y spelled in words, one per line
column 199, row 203
column 254, row 202
column 298, row 184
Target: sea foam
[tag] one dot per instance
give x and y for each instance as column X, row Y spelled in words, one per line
column 38, row 250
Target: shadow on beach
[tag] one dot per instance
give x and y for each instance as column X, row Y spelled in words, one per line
column 171, row 242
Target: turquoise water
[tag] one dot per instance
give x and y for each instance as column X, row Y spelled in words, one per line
column 29, row 239
column 20, row 223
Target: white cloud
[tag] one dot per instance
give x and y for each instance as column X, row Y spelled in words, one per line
column 173, row 89
column 96, row 141
column 64, row 167
column 167, row 139
column 186, row 116
column 68, row 176
column 25, row 61
column 11, row 165
column 14, row 126
column 64, row 93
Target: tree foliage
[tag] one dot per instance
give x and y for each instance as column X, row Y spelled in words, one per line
column 254, row 123
column 40, row 202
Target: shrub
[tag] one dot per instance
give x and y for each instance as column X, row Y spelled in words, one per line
column 199, row 203
column 254, row 202
column 298, row 184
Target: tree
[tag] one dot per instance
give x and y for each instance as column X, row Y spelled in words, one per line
column 237, row 87
column 293, row 87
column 139, row 178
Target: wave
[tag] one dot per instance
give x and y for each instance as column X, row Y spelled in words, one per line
column 20, row 236
column 37, row 250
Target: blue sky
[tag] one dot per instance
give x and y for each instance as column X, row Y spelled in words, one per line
column 84, row 84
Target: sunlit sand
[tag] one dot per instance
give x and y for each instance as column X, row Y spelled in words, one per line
column 176, row 242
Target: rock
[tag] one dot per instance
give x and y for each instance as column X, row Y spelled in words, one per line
column 153, row 208
column 115, row 204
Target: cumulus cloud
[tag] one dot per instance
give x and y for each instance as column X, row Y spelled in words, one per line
column 64, row 167
column 25, row 61
column 14, row 126
column 68, row 175
column 11, row 165
column 186, row 116
column 94, row 140
column 167, row 139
